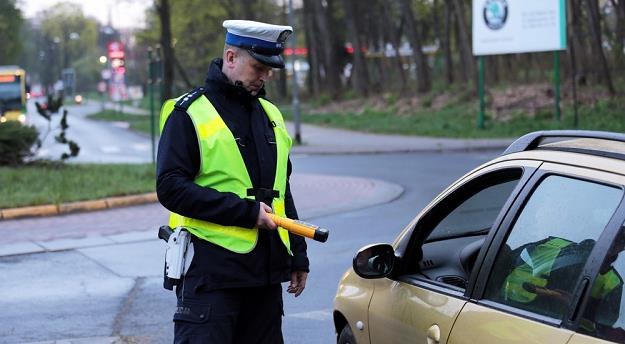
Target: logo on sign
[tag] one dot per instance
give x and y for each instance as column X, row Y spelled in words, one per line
column 495, row 13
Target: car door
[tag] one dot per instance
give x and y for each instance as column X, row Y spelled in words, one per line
column 603, row 314
column 421, row 301
column 542, row 256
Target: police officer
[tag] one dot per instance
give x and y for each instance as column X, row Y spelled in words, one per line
column 223, row 164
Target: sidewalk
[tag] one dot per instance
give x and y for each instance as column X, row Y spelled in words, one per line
column 316, row 196
column 319, row 140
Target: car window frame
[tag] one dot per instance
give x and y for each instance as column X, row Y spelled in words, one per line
column 416, row 238
column 583, row 285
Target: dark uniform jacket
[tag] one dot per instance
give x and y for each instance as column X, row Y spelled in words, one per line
column 214, row 267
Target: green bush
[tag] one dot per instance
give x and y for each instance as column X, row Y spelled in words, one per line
column 16, row 142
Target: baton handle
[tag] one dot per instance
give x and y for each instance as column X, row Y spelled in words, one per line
column 301, row 228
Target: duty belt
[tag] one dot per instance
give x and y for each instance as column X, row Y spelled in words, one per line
column 263, row 195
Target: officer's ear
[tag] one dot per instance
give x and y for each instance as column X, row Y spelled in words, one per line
column 229, row 57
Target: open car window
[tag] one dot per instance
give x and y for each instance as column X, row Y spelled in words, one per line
column 452, row 233
column 476, row 215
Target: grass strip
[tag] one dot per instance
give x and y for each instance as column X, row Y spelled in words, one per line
column 139, row 123
column 53, row 183
column 459, row 121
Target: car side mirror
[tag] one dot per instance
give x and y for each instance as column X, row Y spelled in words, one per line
column 374, row 261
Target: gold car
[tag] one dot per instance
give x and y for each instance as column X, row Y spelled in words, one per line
column 526, row 248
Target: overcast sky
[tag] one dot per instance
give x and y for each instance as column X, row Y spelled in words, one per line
column 124, row 13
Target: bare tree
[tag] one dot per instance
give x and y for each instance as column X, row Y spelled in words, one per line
column 392, row 35
column 314, row 75
column 423, row 75
column 331, row 80
column 619, row 32
column 446, row 43
column 595, row 29
column 163, row 9
column 463, row 37
column 360, row 75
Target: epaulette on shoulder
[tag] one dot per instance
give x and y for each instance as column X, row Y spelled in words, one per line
column 184, row 102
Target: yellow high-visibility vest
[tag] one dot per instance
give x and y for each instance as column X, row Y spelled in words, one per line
column 222, row 168
column 542, row 259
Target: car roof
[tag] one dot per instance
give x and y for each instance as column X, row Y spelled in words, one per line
column 587, row 139
column 598, row 150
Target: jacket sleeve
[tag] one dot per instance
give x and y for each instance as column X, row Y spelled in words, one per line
column 298, row 243
column 178, row 163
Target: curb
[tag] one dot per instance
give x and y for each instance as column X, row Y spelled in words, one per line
column 74, row 207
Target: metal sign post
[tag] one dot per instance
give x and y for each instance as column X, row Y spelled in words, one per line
column 512, row 26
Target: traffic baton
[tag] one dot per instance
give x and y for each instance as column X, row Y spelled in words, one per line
column 301, row 228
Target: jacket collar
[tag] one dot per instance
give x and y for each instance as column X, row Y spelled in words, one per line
column 216, row 80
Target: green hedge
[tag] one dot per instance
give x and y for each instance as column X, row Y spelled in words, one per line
column 16, row 142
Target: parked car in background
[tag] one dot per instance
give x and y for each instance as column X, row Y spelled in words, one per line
column 526, row 248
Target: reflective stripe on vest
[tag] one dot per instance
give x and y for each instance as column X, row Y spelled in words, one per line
column 222, row 168
column 535, row 270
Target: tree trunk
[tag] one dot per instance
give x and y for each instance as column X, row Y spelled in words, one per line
column 423, row 77
column 493, row 62
column 619, row 34
column 446, row 43
column 464, row 40
column 393, row 36
column 360, row 75
column 247, row 9
column 282, row 77
column 314, row 74
column 464, row 73
column 576, row 33
column 595, row 29
column 163, row 9
column 331, row 81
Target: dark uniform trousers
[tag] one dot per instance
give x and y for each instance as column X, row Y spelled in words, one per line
column 237, row 315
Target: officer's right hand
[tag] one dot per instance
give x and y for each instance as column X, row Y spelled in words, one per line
column 263, row 221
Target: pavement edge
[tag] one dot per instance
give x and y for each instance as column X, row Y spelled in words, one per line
column 73, row 207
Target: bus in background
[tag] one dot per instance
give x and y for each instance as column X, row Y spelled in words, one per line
column 12, row 94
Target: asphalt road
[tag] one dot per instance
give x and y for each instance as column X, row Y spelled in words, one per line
column 100, row 142
column 116, row 290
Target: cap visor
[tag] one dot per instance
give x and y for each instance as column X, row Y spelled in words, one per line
column 274, row 61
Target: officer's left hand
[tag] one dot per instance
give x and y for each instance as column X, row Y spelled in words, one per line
column 298, row 282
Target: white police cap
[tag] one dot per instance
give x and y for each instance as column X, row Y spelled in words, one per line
column 265, row 42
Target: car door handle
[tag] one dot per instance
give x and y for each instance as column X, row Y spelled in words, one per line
column 434, row 334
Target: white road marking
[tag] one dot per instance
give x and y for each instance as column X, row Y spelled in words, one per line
column 120, row 124
column 320, row 315
column 141, row 147
column 110, row 149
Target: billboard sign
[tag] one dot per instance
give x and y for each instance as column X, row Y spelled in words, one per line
column 518, row 26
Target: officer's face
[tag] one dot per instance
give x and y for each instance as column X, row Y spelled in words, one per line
column 251, row 73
